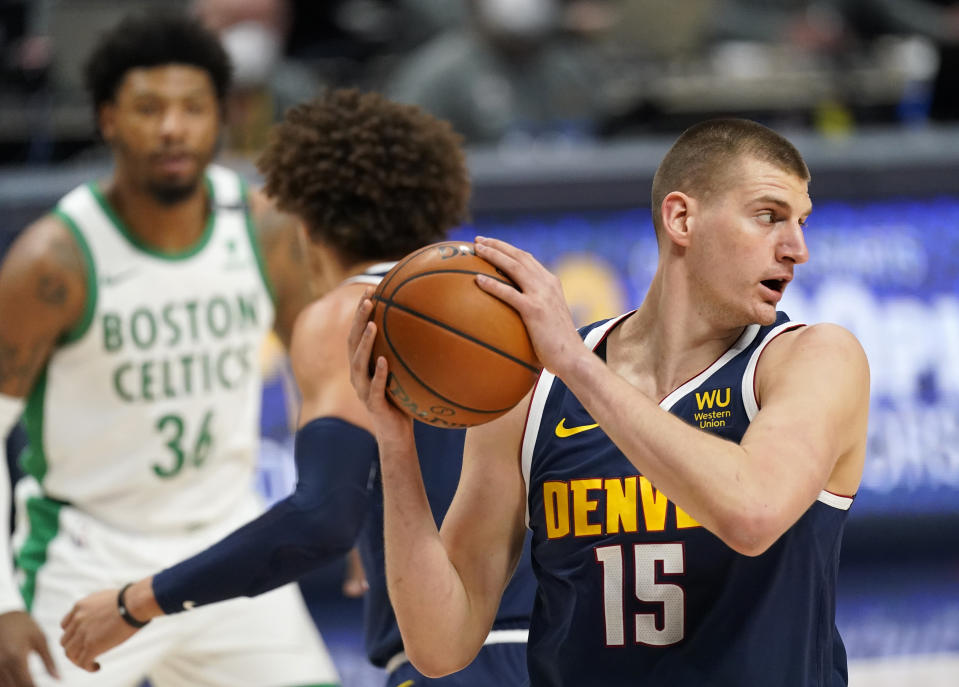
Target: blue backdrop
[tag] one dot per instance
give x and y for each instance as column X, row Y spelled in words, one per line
column 886, row 270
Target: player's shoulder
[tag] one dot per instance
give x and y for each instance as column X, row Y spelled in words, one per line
column 819, row 353
column 814, row 340
column 322, row 327
column 47, row 245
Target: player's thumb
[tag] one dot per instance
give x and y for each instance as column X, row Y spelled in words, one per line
column 40, row 646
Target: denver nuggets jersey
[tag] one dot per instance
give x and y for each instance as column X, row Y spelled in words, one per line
column 146, row 416
column 633, row 591
column 440, row 454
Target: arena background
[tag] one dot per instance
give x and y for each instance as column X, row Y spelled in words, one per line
column 883, row 239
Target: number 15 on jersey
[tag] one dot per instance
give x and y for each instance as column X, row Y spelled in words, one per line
column 671, row 597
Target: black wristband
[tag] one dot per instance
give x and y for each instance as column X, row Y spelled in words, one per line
column 125, row 612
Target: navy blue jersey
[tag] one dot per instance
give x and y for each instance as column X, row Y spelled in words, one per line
column 633, row 591
column 441, row 457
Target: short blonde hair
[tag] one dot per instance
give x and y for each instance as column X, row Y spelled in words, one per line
column 701, row 160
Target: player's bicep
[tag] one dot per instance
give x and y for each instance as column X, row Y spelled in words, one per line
column 488, row 509
column 814, row 395
column 42, row 296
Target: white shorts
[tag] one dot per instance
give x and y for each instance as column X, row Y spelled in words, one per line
column 267, row 641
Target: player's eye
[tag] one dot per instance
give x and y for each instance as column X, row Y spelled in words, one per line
column 147, row 107
column 195, row 107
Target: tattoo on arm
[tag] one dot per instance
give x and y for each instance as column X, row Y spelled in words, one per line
column 51, row 289
column 43, row 297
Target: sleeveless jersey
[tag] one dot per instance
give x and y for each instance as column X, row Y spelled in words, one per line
column 633, row 591
column 146, row 416
column 440, row 454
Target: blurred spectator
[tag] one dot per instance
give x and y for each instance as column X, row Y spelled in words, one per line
column 811, row 25
column 26, row 57
column 266, row 83
column 510, row 72
column 936, row 20
column 25, row 53
column 353, row 42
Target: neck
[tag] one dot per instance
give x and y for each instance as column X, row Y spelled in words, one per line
column 164, row 227
column 671, row 338
column 331, row 270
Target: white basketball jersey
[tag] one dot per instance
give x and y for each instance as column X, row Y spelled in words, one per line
column 147, row 416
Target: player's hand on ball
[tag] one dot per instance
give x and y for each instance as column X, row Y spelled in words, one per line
column 539, row 301
column 93, row 626
column 390, row 423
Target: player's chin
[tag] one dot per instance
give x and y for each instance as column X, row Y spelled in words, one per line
column 765, row 314
column 172, row 191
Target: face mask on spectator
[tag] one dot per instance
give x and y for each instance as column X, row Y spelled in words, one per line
column 519, row 19
column 254, row 50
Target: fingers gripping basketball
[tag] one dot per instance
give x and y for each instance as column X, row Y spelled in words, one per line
column 457, row 355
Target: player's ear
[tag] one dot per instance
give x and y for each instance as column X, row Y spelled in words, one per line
column 106, row 120
column 676, row 215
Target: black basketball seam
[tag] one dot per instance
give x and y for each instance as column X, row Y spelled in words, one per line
column 386, row 335
column 450, row 270
column 468, row 337
column 391, row 275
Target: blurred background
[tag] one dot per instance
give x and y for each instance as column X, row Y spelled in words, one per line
column 568, row 106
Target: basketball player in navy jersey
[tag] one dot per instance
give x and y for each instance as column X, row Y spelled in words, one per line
column 371, row 180
column 686, row 474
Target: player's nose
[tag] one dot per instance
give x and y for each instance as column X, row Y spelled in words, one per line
column 792, row 245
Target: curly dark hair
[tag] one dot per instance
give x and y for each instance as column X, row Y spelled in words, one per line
column 152, row 40
column 372, row 178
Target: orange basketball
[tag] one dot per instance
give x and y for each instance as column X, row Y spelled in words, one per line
column 457, row 356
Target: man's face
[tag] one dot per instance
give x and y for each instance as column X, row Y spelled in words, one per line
column 747, row 239
column 163, row 126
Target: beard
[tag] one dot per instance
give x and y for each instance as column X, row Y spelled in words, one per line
column 167, row 192
column 172, row 193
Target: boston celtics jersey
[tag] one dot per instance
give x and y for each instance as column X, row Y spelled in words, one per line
column 147, row 414
column 633, row 591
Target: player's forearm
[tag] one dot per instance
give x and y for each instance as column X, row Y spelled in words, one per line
column 316, row 524
column 428, row 597
column 722, row 486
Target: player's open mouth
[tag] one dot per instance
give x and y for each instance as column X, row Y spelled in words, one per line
column 775, row 284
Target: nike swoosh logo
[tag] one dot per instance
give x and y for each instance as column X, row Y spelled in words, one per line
column 114, row 279
column 562, row 431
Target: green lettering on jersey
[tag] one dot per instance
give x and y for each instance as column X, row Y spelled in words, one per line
column 218, row 317
column 191, row 307
column 187, row 362
column 146, row 381
column 173, row 429
column 171, row 324
column 247, row 308
column 121, row 389
column 143, row 328
column 112, row 334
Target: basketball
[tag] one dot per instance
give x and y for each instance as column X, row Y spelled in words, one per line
column 457, row 356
